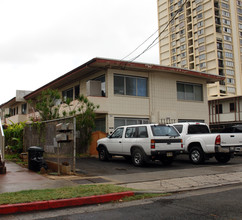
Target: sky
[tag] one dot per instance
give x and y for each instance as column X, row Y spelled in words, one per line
column 43, row 39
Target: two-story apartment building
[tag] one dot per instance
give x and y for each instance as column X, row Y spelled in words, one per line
column 15, row 110
column 134, row 93
column 225, row 112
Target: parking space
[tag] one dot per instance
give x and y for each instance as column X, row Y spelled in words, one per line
column 120, row 166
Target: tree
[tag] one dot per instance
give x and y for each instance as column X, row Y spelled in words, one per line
column 47, row 106
column 82, row 108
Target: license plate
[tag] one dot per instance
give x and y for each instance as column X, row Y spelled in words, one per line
column 169, row 154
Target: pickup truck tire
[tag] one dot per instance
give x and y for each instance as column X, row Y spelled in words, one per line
column 222, row 158
column 166, row 160
column 196, row 155
column 138, row 158
column 103, row 154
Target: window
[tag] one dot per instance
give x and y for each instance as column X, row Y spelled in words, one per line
column 231, row 89
column 202, row 65
column 24, row 108
column 183, row 55
column 182, row 32
column 225, row 21
column 198, row 129
column 199, row 8
column 136, row 132
column 228, row 55
column 178, row 128
column 129, row 121
column 183, row 63
column 201, row 49
column 220, row 55
column 186, row 91
column 183, row 47
column 200, row 24
column 202, row 57
column 228, row 46
column 182, row 39
column 67, row 94
column 229, row 72
column 219, row 109
column 161, row 130
column 128, row 85
column 224, row 5
column 200, row 32
column 230, row 80
column 231, row 107
column 118, row 133
column 200, row 40
column 227, row 30
column 225, row 13
column 227, row 38
column 200, row 16
column 77, row 91
column 181, row 17
column 229, row 63
column 182, row 24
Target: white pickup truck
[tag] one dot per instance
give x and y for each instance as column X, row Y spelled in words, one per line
column 141, row 143
column 200, row 144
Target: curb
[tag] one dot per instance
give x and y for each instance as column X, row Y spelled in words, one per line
column 61, row 203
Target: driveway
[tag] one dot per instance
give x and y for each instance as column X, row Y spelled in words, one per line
column 120, row 166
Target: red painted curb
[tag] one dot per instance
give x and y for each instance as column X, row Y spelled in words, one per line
column 53, row 204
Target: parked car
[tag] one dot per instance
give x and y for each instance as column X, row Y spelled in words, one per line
column 201, row 144
column 141, row 143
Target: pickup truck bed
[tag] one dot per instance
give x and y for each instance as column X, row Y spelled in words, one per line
column 201, row 144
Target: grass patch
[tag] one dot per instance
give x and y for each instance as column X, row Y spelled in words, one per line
column 59, row 193
column 12, row 157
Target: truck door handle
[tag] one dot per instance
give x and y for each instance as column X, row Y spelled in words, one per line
column 232, row 136
column 168, row 142
column 120, row 142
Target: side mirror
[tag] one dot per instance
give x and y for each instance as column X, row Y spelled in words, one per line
column 109, row 135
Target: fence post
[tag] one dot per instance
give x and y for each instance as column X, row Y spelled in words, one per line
column 2, row 140
column 74, row 145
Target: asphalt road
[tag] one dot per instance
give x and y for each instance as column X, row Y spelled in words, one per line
column 221, row 203
column 118, row 165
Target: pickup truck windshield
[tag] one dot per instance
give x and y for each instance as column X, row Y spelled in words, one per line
column 198, row 129
column 161, row 130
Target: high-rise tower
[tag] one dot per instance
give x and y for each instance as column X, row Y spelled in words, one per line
column 204, row 35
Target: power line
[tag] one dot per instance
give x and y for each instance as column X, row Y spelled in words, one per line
column 151, row 45
column 140, row 45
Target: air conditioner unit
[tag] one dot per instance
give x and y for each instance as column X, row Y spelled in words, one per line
column 94, row 88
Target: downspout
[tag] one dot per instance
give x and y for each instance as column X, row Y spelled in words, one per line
column 238, row 107
column 235, row 110
column 209, row 113
column 218, row 112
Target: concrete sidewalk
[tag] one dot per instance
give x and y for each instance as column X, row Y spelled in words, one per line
column 187, row 183
column 165, row 181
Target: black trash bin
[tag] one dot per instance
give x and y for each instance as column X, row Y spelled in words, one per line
column 35, row 158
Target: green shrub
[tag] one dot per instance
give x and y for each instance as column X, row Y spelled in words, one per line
column 14, row 137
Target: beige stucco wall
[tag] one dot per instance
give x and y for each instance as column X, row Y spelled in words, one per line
column 160, row 104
